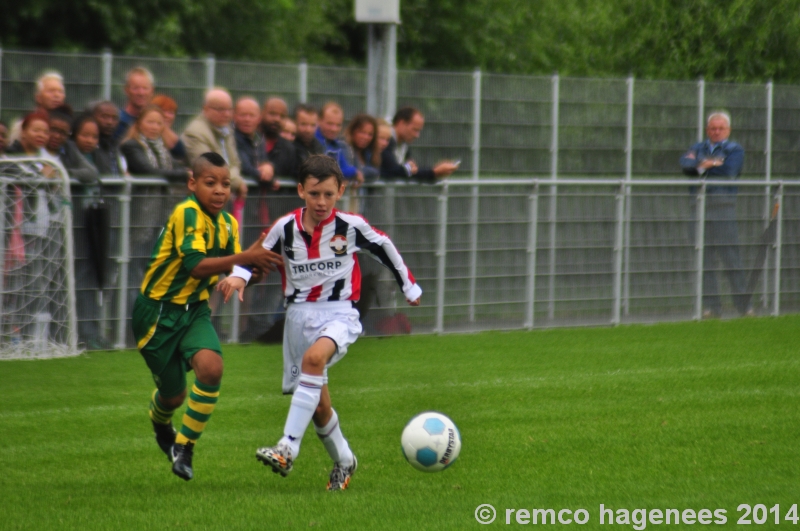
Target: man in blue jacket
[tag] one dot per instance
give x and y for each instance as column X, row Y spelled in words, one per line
column 331, row 118
column 718, row 158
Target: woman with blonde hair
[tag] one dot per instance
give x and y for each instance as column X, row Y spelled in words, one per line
column 144, row 147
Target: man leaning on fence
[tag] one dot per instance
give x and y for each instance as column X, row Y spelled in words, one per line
column 718, row 158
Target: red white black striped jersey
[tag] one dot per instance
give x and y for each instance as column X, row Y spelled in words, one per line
column 323, row 266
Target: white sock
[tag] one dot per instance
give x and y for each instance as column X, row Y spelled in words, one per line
column 333, row 440
column 304, row 402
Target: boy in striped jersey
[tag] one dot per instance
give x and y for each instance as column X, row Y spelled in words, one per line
column 171, row 316
column 321, row 280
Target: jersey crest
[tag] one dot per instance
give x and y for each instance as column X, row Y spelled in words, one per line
column 338, row 244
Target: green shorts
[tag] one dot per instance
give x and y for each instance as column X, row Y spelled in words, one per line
column 168, row 335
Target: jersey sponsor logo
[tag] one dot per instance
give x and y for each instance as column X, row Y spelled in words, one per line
column 315, row 268
column 338, row 244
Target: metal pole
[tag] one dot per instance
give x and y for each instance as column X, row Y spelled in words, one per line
column 533, row 231
column 4, row 189
column 302, row 82
column 618, row 242
column 699, row 247
column 124, row 261
column 476, row 160
column 701, row 108
column 441, row 255
column 768, row 188
column 107, row 66
column 776, row 302
column 551, row 295
column 390, row 105
column 626, row 285
column 66, row 215
column 373, row 62
column 1, row 81
column 210, row 68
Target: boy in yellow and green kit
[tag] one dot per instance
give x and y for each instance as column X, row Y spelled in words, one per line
column 171, row 316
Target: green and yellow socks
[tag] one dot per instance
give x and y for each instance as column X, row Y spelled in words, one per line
column 202, row 399
column 158, row 413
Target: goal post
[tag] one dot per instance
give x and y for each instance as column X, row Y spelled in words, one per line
column 37, row 279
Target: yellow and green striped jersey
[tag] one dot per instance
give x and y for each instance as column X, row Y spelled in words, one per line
column 190, row 235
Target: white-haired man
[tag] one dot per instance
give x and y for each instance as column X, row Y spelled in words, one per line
column 211, row 130
column 718, row 158
column 139, row 89
column 49, row 95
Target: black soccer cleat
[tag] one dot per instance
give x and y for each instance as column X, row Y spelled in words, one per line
column 165, row 437
column 182, row 460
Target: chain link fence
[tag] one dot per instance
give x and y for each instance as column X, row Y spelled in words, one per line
column 495, row 124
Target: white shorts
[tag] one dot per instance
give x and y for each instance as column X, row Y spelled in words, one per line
column 306, row 322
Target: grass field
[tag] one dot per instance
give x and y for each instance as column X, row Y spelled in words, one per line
column 681, row 416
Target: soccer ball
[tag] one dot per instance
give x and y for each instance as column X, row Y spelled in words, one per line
column 431, row 442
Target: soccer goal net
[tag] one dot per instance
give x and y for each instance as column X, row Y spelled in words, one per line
column 37, row 283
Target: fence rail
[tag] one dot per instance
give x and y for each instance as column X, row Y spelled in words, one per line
column 503, row 253
column 493, row 123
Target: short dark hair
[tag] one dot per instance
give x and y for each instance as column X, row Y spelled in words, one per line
column 303, row 107
column 321, row 167
column 79, row 123
column 209, row 158
column 405, row 114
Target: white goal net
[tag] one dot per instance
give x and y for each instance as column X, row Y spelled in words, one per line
column 37, row 282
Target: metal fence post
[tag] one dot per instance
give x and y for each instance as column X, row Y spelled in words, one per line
column 551, row 296
column 302, row 85
column 1, row 81
column 390, row 105
column 441, row 255
column 476, row 160
column 124, row 260
column 776, row 302
column 107, row 66
column 619, row 234
column 533, row 232
column 626, row 285
column 768, row 188
column 701, row 108
column 211, row 65
column 699, row 239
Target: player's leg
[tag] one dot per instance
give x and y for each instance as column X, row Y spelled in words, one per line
column 326, row 422
column 168, row 397
column 304, row 404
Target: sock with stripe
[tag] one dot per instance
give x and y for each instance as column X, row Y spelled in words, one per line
column 202, row 399
column 158, row 412
column 304, row 401
column 333, row 440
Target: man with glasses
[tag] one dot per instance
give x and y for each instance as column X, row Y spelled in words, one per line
column 212, row 131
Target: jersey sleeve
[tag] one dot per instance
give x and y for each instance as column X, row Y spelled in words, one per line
column 234, row 244
column 381, row 247
column 271, row 243
column 188, row 229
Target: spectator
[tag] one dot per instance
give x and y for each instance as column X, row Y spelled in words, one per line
column 144, row 147
column 396, row 159
column 211, row 131
column 384, row 135
column 331, row 118
column 61, row 148
column 288, row 129
column 86, row 137
column 33, row 138
column 171, row 139
column 718, row 158
column 107, row 157
column 50, row 95
column 249, row 142
column 3, row 138
column 363, row 140
column 139, row 87
column 277, row 150
column 60, row 132
column 305, row 142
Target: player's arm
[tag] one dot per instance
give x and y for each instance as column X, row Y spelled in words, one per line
column 243, row 274
column 381, row 247
column 256, row 256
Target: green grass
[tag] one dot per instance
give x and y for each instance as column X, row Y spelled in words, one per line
column 685, row 416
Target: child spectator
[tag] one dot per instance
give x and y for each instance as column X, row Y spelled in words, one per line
column 144, row 148
column 171, row 316
column 331, row 118
column 322, row 281
column 288, row 129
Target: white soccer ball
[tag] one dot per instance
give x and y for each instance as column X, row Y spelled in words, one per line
column 431, row 442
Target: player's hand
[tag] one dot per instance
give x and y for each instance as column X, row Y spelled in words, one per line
column 264, row 259
column 230, row 285
column 416, row 302
column 257, row 277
